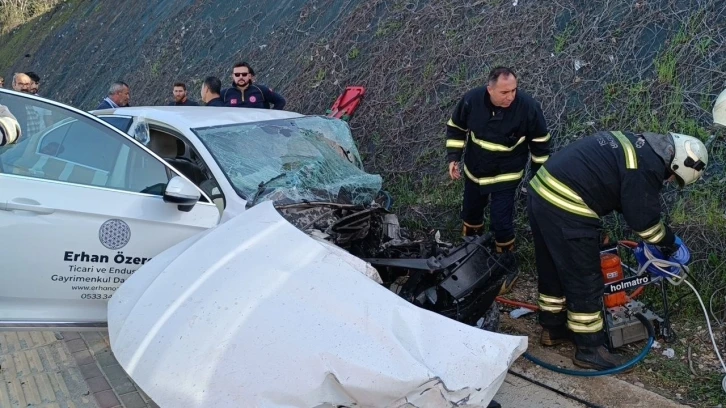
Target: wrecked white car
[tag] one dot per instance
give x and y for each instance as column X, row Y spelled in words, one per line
column 239, row 222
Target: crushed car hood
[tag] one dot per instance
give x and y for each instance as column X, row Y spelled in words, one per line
column 256, row 313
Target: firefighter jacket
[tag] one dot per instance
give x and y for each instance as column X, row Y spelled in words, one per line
column 606, row 172
column 496, row 141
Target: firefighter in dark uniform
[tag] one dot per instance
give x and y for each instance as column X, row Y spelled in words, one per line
column 498, row 126
column 588, row 179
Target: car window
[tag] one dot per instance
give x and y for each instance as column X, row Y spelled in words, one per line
column 75, row 149
column 122, row 123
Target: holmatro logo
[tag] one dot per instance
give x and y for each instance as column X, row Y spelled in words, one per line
column 628, row 283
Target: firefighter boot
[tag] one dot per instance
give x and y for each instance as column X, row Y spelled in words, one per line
column 554, row 336
column 509, row 262
column 470, row 230
column 598, row 358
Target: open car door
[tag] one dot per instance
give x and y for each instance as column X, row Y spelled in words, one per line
column 82, row 207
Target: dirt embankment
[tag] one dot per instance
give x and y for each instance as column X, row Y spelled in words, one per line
column 640, row 65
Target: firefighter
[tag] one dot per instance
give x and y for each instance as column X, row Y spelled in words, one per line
column 498, row 126
column 587, row 179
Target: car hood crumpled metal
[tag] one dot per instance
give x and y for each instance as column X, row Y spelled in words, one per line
column 255, row 313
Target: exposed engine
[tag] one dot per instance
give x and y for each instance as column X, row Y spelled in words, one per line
column 460, row 282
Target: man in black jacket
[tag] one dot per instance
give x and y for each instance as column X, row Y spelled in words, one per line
column 245, row 94
column 499, row 126
column 588, row 179
column 179, row 92
column 210, row 92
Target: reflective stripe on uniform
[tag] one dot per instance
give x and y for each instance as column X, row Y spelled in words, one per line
column 503, row 244
column 494, row 147
column 458, row 144
column 483, row 181
column 558, row 186
column 585, row 328
column 551, row 304
column 542, row 139
column 583, row 317
column 654, row 233
column 631, row 159
column 549, row 195
column 540, row 159
column 452, row 124
column 584, row 322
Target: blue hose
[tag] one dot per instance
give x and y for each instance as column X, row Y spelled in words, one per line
column 614, row 370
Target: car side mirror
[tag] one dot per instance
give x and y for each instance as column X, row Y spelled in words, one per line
column 182, row 192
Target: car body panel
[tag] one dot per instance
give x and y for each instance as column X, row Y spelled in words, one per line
column 273, row 317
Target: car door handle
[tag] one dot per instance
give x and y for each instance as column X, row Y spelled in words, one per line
column 27, row 204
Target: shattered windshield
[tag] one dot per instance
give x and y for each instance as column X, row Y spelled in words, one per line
column 312, row 158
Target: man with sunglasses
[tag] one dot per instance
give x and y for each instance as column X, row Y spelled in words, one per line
column 245, row 94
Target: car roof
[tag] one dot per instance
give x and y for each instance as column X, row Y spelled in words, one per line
column 199, row 116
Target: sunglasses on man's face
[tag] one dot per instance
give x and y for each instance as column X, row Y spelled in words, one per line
column 241, row 74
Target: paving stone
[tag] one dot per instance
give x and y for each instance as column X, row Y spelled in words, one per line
column 133, row 400
column 83, row 357
column 107, row 399
column 105, row 358
column 90, row 370
column 114, row 371
column 76, row 345
column 98, row 384
column 68, row 336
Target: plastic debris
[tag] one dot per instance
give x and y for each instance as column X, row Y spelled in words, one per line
column 670, row 353
column 514, row 3
column 656, row 345
column 517, row 313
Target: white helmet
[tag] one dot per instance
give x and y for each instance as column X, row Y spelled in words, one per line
column 719, row 109
column 690, row 158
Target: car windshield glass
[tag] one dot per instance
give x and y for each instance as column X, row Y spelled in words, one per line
column 312, row 158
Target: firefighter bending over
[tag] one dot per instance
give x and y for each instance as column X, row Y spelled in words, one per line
column 588, row 179
column 498, row 125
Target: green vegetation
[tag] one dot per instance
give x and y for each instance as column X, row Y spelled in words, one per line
column 16, row 12
column 562, row 39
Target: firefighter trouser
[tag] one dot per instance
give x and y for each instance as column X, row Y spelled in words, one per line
column 571, row 286
column 501, row 212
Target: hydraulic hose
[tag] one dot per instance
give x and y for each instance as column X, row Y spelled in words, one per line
column 515, row 303
column 614, row 370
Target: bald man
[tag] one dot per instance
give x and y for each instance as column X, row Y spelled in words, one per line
column 22, row 82
column 31, row 121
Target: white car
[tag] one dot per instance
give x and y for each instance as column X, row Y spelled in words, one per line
column 88, row 199
column 83, row 205
column 184, row 196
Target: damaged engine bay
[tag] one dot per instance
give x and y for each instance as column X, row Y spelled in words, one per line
column 310, row 168
column 457, row 281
